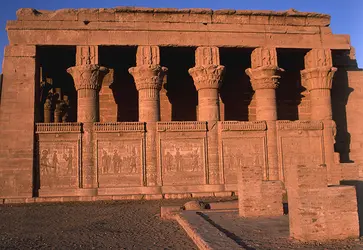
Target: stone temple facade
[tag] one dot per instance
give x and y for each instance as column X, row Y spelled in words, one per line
column 129, row 103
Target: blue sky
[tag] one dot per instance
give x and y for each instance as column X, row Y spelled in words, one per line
column 347, row 15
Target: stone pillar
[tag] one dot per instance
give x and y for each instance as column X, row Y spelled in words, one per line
column 207, row 75
column 87, row 76
column 264, row 77
column 148, row 76
column 48, row 111
column 317, row 77
column 20, row 87
column 57, row 105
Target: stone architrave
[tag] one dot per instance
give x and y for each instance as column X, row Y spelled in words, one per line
column 318, row 76
column 87, row 76
column 148, row 76
column 207, row 75
column 264, row 76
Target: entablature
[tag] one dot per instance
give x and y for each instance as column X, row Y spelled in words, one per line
column 174, row 27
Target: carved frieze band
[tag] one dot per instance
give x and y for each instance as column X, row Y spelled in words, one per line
column 182, row 126
column 119, row 126
column 243, row 126
column 68, row 127
column 301, row 125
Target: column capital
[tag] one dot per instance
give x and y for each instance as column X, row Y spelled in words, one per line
column 88, row 76
column 148, row 76
column 318, row 78
column 207, row 76
column 264, row 72
column 319, row 70
column 265, row 77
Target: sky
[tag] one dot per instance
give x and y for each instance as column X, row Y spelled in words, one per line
column 347, row 15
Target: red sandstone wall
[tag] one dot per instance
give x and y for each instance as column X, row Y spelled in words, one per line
column 17, row 121
column 354, row 115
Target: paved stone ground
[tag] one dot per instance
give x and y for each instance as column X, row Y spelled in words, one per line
column 91, row 225
column 267, row 233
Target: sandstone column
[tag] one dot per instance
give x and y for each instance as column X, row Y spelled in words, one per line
column 317, row 77
column 264, row 76
column 207, row 76
column 87, row 76
column 148, row 76
column 48, row 111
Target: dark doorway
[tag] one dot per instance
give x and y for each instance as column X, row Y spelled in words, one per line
column 180, row 87
column 120, row 59
column 53, row 62
column 236, row 92
column 289, row 93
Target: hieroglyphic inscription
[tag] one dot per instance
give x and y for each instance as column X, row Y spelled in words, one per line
column 301, row 151
column 119, row 163
column 238, row 152
column 58, row 164
column 183, row 162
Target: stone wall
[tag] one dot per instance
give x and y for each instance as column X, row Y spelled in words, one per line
column 17, row 112
column 256, row 196
column 299, row 142
column 182, row 157
column 354, row 114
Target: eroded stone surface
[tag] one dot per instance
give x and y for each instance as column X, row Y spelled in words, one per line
column 319, row 212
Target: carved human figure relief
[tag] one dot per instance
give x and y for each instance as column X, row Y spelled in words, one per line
column 58, row 164
column 182, row 161
column 69, row 159
column 120, row 163
column 242, row 152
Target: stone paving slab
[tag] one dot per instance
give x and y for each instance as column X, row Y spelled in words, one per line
column 204, row 234
column 224, row 229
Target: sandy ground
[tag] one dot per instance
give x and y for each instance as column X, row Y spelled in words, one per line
column 91, row 225
column 135, row 225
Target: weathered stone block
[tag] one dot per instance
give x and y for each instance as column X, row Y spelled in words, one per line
column 319, row 212
column 257, row 197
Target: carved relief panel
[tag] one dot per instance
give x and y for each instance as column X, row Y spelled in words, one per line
column 242, row 151
column 182, row 161
column 120, row 163
column 300, row 150
column 58, row 164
